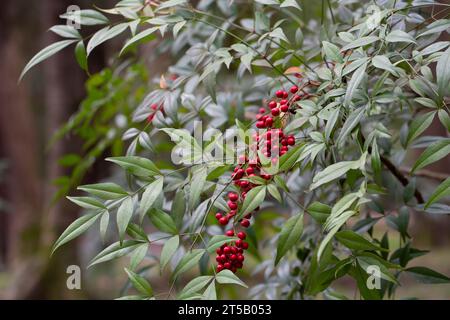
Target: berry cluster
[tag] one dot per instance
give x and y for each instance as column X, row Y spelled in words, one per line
column 272, row 143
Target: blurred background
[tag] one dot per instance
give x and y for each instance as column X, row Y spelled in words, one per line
column 30, row 221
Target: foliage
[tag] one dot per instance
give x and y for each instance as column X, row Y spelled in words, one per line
column 368, row 95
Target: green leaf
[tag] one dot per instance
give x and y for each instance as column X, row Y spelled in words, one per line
column 104, row 222
column 210, row 292
column 151, row 193
column 278, row 34
column 140, row 283
column 66, row 31
column 87, row 203
column 352, row 121
column 445, row 119
column 443, row 74
column 228, row 277
column 290, row 3
column 354, row 241
column 162, row 221
column 441, row 191
column 366, row 261
column 168, row 250
column 75, row 229
column 273, row 190
column 104, row 35
column 86, row 17
column 194, row 286
column 289, row 236
column 189, row 261
column 116, row 250
column 253, row 200
column 433, row 153
column 124, row 214
column 400, row 36
column 331, row 51
column 360, row 42
column 169, row 4
column 138, row 255
column 196, row 186
column 45, row 54
column 138, row 166
column 354, row 83
column 107, row 191
column 217, row 241
column 178, row 208
column 419, row 125
column 382, row 62
column 288, row 160
column 336, row 170
column 81, row 55
column 319, row 211
column 140, row 36
column 426, row 275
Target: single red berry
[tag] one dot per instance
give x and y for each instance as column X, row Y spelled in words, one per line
column 269, row 122
column 248, row 216
column 233, row 257
column 154, row 106
column 297, row 97
column 227, row 265
column 284, row 148
column 284, row 142
column 219, row 251
column 275, row 112
column 218, row 215
column 219, row 267
column 244, row 245
column 279, row 93
column 234, row 250
column 294, row 89
column 272, row 104
column 244, row 184
column 233, row 196
column 291, row 140
column 230, row 233
column 260, row 124
column 262, row 110
column 218, row 259
column 232, row 213
column 241, row 235
column 239, row 243
column 245, row 223
column 226, row 250
column 284, row 107
column 223, row 221
column 249, row 170
column 285, row 94
column 284, row 101
column 240, row 257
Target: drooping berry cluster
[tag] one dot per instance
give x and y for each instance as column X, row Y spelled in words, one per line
column 272, row 143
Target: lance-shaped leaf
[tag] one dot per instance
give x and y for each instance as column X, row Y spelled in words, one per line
column 441, row 191
column 76, row 228
column 443, row 74
column 162, row 221
column 139, row 283
column 354, row 241
column 426, row 275
column 436, row 151
column 124, row 214
column 354, row 83
column 116, row 250
column 419, row 125
column 194, row 286
column 138, row 166
column 189, row 261
column 253, row 200
column 107, row 191
column 87, row 203
column 289, row 236
column 151, row 193
column 168, row 251
column 226, row 276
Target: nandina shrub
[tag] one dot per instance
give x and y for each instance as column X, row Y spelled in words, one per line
column 288, row 133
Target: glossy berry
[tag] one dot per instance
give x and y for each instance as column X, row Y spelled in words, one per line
column 279, row 93
column 218, row 215
column 233, row 196
column 262, row 110
column 275, row 112
column 232, row 205
column 272, row 104
column 293, row 89
column 245, row 223
column 223, row 221
column 241, row 235
column 284, row 108
column 244, row 245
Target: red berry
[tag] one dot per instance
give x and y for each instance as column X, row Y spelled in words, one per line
column 284, row 108
column 154, row 106
column 284, row 142
column 230, row 233
column 239, row 243
column 219, row 267
column 244, row 245
column 279, row 93
column 227, row 265
column 232, row 205
column 223, row 221
column 226, row 250
column 294, row 89
column 241, row 235
column 258, row 116
column 218, row 215
column 240, row 257
column 234, row 250
column 285, row 94
column 269, row 122
column 233, row 196
column 245, row 223
column 297, row 97
column 249, row 170
column 284, row 101
column 272, row 104
column 291, row 140
column 232, row 213
column 219, row 251
column 233, row 257
column 260, row 124
column 244, row 184
column 275, row 112
column 266, row 176
column 262, row 110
